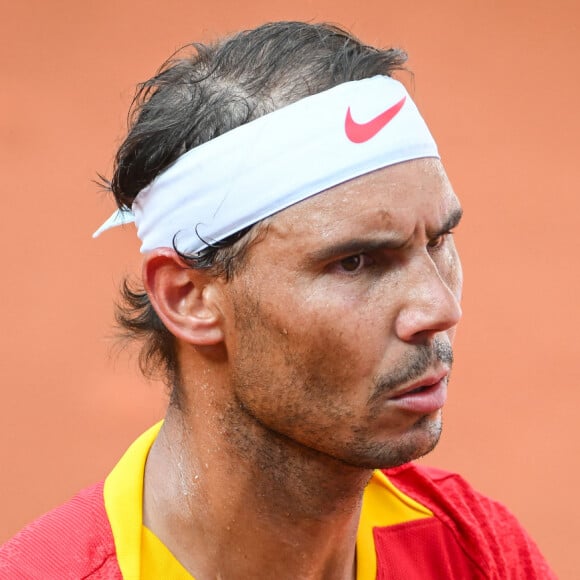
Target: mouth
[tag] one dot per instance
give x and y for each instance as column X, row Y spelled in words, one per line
column 417, row 390
column 426, row 396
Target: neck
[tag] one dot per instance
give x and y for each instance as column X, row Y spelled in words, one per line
column 232, row 499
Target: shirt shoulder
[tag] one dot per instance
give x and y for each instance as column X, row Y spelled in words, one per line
column 70, row 542
column 486, row 531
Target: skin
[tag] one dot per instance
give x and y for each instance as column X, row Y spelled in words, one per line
column 290, row 373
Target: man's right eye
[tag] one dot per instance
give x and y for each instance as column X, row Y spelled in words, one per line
column 353, row 264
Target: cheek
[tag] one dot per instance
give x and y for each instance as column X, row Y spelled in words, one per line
column 316, row 348
column 337, row 347
column 457, row 279
column 451, row 271
column 293, row 382
column 310, row 346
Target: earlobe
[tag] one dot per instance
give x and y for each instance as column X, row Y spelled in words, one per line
column 183, row 298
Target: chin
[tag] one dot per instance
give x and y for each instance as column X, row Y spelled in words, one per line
column 419, row 440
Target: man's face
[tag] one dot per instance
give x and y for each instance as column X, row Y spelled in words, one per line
column 344, row 316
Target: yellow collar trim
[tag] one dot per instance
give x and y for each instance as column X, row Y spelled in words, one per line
column 123, row 493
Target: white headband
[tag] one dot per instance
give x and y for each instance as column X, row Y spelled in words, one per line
column 262, row 167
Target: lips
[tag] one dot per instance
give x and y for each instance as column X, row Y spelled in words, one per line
column 425, row 396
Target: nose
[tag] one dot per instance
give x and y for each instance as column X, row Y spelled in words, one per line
column 431, row 300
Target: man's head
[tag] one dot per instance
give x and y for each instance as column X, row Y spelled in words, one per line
column 198, row 97
column 329, row 323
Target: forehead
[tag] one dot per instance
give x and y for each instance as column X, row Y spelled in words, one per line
column 398, row 197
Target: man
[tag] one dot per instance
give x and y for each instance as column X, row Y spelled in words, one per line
column 301, row 293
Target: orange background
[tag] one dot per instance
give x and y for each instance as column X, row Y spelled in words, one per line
column 498, row 83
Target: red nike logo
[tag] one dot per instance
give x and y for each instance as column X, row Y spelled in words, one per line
column 361, row 132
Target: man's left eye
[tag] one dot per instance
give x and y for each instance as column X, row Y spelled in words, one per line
column 438, row 241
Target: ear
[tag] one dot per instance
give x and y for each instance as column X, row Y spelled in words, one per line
column 184, row 298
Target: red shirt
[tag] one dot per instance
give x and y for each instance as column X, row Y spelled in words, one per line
column 468, row 536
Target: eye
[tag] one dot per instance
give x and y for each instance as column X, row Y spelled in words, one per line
column 439, row 240
column 353, row 264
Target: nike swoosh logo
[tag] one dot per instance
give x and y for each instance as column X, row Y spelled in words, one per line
column 361, row 132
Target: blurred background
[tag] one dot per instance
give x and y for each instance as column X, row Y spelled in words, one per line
column 498, row 82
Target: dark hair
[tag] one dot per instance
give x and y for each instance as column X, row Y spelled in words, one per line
column 198, row 96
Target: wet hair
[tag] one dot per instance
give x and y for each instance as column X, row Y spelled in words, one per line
column 202, row 92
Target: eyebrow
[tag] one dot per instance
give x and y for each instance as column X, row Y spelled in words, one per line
column 385, row 242
column 451, row 222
